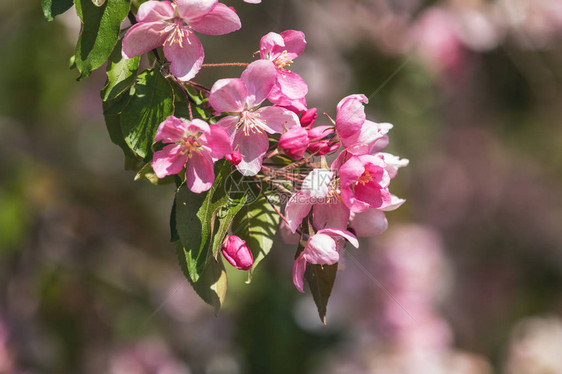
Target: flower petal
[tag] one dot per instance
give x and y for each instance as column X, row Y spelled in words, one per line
column 194, row 10
column 259, row 78
column 291, row 85
column 228, row 123
column 277, row 120
column 217, row 141
column 269, row 43
column 351, row 171
column 152, row 11
column 321, row 249
column 299, row 268
column 350, row 115
column 219, row 21
column 200, row 173
column 350, row 201
column 228, row 95
column 296, row 209
column 198, row 126
column 294, row 43
column 143, row 37
column 394, row 203
column 252, row 147
column 317, row 183
column 185, row 61
column 330, row 215
column 343, row 233
column 369, row 223
column 171, row 130
column 168, row 161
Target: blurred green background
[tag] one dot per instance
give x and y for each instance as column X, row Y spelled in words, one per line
column 466, row 280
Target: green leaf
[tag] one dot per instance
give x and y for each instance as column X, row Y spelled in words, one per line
column 100, row 31
column 151, row 102
column 120, row 74
column 196, row 220
column 257, row 224
column 52, row 8
column 98, row 3
column 112, row 113
column 146, row 172
column 321, row 280
column 212, row 283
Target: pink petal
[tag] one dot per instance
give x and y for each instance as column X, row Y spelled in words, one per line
column 291, row 85
column 350, row 201
column 200, row 173
column 394, row 203
column 187, row 60
column 277, row 120
column 330, row 215
column 343, row 233
column 252, row 1
column 299, row 268
column 171, row 130
column 350, row 115
column 259, row 78
column 228, row 95
column 228, row 123
column 297, row 208
column 294, row 43
column 317, row 183
column 321, row 249
column 363, row 141
column 252, row 147
column 198, row 125
column 152, row 11
column 369, row 223
column 372, row 194
column 143, row 37
column 219, row 21
column 351, row 171
column 277, row 97
column 217, row 141
column 168, row 161
column 194, row 10
column 268, row 43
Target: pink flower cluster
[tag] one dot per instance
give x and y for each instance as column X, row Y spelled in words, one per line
column 336, row 202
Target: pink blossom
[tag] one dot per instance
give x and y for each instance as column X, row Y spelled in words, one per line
column 171, row 25
column 318, row 193
column 247, row 124
column 252, row 1
column 321, row 140
column 323, row 248
column 364, row 183
column 194, row 144
column 237, row 252
column 294, row 142
column 282, row 49
column 357, row 134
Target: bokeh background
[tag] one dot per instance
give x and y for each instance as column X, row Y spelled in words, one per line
column 466, row 280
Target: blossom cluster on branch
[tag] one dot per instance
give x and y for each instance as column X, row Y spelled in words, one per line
column 254, row 131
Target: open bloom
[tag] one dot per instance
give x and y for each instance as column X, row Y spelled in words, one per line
column 237, row 253
column 320, row 194
column 364, row 183
column 247, row 124
column 323, row 248
column 194, row 144
column 357, row 134
column 171, row 25
column 281, row 49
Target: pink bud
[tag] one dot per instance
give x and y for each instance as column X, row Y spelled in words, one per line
column 308, row 117
column 318, row 146
column 235, row 157
column 294, row 142
column 237, row 252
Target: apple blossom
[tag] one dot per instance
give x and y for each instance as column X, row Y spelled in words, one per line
column 171, row 25
column 322, row 248
column 294, row 142
column 193, row 144
column 247, row 124
column 281, row 49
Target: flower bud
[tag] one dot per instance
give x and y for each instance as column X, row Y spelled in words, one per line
column 318, row 146
column 294, row 142
column 235, row 158
column 237, row 252
column 308, row 117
